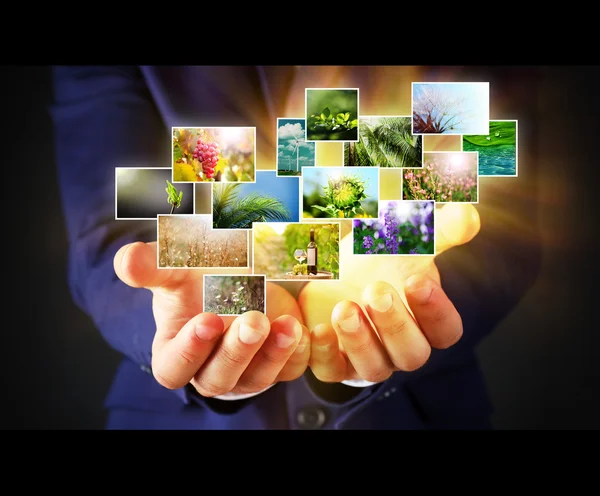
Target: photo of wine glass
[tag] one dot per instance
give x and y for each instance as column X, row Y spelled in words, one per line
column 300, row 255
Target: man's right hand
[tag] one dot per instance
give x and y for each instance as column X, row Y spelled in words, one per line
column 217, row 355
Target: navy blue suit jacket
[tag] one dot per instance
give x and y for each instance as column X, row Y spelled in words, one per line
column 107, row 117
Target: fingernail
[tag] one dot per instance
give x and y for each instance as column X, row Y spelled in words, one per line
column 249, row 335
column 351, row 324
column 283, row 340
column 419, row 288
column 382, row 303
column 323, row 347
column 300, row 348
column 206, row 333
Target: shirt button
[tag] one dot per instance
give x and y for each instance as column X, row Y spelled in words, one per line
column 146, row 369
column 311, row 417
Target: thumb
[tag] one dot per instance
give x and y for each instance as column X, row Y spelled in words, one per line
column 456, row 224
column 136, row 264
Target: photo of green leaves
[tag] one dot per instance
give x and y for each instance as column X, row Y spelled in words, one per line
column 332, row 114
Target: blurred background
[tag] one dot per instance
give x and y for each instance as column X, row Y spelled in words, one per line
column 541, row 363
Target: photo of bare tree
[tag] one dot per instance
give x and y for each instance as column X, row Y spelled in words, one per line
column 450, row 108
column 188, row 241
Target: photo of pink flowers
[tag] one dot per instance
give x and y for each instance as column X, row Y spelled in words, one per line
column 403, row 228
column 445, row 177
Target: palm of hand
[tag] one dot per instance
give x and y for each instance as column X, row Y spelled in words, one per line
column 318, row 299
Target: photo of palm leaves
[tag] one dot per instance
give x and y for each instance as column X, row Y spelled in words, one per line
column 271, row 199
column 385, row 141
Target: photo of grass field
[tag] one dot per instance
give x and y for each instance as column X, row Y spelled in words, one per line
column 497, row 150
column 234, row 294
column 190, row 241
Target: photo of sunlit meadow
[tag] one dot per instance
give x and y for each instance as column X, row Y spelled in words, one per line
column 190, row 241
column 445, row 177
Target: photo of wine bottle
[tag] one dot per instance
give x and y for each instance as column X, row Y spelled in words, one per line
column 311, row 251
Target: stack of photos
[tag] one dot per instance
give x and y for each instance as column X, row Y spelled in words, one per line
column 216, row 210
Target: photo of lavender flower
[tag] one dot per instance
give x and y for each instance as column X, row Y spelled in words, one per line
column 403, row 228
column 234, row 295
column 445, row 177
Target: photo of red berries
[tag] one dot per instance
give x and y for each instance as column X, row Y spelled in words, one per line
column 214, row 154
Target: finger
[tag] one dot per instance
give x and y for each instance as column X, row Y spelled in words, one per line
column 456, row 224
column 297, row 363
column 175, row 361
column 136, row 265
column 239, row 344
column 327, row 362
column 284, row 337
column 362, row 346
column 437, row 317
column 406, row 345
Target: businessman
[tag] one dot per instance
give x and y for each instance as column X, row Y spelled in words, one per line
column 107, row 117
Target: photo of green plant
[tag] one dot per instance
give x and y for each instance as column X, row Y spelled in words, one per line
column 293, row 151
column 339, row 192
column 186, row 241
column 445, row 177
column 221, row 154
column 497, row 150
column 233, row 294
column 403, row 228
column 280, row 250
column 332, row 114
column 144, row 193
column 270, row 199
column 385, row 141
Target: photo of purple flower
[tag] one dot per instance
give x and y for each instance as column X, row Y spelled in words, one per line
column 403, row 227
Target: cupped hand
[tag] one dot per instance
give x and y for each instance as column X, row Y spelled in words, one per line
column 217, row 355
column 385, row 313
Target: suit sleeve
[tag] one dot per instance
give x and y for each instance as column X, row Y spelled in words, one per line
column 104, row 117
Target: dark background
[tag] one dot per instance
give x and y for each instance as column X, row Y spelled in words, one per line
column 541, row 364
